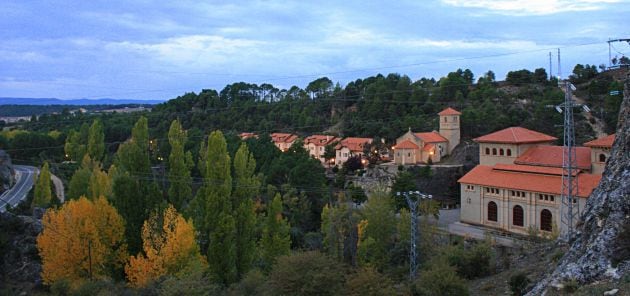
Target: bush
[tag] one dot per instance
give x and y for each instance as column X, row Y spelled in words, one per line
column 368, row 281
column 472, row 263
column 252, row 284
column 306, row 273
column 518, row 284
column 570, row 286
column 440, row 279
column 335, row 169
column 401, row 167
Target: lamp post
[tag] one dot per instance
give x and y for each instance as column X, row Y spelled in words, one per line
column 413, row 208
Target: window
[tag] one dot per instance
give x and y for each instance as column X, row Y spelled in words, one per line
column 602, row 157
column 492, row 211
column 398, row 154
column 409, row 154
column 545, row 220
column 454, row 118
column 515, row 193
column 345, row 155
column 445, row 119
column 509, row 152
column 487, row 151
column 546, row 197
column 493, row 191
column 494, row 151
column 470, row 188
column 501, row 152
column 517, row 216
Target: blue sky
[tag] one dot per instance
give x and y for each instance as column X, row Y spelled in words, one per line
column 162, row 49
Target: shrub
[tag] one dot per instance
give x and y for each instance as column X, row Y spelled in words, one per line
column 472, row 263
column 570, row 286
column 439, row 279
column 401, row 167
column 518, row 284
column 368, row 281
column 335, row 169
column 306, row 273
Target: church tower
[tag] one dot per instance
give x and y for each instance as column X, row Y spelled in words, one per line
column 449, row 127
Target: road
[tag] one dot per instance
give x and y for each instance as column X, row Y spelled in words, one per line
column 25, row 179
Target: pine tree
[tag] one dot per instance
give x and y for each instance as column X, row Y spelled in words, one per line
column 96, row 141
column 179, row 191
column 245, row 190
column 276, row 240
column 43, row 195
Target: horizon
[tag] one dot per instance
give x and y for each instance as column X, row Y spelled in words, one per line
column 158, row 51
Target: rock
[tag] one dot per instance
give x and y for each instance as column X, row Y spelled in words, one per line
column 38, row 213
column 602, row 248
column 611, row 292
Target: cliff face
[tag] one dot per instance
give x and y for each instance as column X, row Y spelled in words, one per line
column 602, row 247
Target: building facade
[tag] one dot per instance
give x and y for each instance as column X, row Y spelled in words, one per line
column 316, row 145
column 350, row 147
column 283, row 141
column 429, row 147
column 600, row 152
column 518, row 184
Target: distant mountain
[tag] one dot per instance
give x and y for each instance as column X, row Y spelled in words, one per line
column 82, row 102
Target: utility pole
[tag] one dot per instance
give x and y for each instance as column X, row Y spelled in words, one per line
column 550, row 68
column 570, row 205
column 413, row 209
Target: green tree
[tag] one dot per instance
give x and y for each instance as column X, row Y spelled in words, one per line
column 376, row 236
column 180, row 181
column 96, row 141
column 43, row 195
column 440, row 279
column 134, row 194
column 80, row 180
column 306, row 273
column 367, row 281
column 275, row 240
column 246, row 188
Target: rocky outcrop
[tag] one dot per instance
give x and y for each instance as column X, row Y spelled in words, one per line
column 20, row 267
column 602, row 248
column 7, row 176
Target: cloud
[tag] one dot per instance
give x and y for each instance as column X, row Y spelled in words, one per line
column 532, row 7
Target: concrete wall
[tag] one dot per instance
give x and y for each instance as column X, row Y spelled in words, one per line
column 492, row 159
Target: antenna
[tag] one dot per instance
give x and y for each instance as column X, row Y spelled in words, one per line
column 559, row 72
column 550, row 68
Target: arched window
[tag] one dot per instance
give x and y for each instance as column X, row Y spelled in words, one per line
column 545, row 220
column 517, row 216
column 501, row 152
column 494, row 151
column 602, row 157
column 487, row 151
column 492, row 211
column 509, row 152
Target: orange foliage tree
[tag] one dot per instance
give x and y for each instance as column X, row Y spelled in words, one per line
column 169, row 245
column 82, row 239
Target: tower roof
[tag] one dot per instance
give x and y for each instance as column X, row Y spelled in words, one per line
column 449, row 111
column 606, row 142
column 515, row 135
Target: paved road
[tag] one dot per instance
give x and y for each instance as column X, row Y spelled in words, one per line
column 25, row 179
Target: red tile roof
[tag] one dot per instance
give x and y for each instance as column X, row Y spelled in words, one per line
column 449, row 111
column 606, row 141
column 406, row 144
column 431, row 137
column 551, row 156
column 527, row 181
column 320, row 140
column 515, row 135
column 354, row 144
column 531, row 169
column 283, row 138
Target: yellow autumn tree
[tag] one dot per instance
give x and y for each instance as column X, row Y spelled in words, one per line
column 82, row 239
column 169, row 246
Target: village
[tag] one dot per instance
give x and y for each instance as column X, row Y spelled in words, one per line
column 515, row 188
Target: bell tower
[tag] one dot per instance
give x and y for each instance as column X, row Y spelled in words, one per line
column 449, row 127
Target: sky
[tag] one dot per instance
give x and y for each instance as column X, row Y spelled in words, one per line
column 161, row 49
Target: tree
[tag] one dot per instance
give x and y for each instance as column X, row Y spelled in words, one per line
column 306, row 273
column 80, row 240
column 169, row 249
column 100, row 184
column 367, row 281
column 440, row 279
column 404, row 182
column 377, row 233
column 43, row 194
column 179, row 191
column 275, row 240
column 134, row 194
column 246, row 187
column 96, row 141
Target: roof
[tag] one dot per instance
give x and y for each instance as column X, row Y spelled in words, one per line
column 606, row 141
column 428, row 147
column 245, row 136
column 354, row 144
column 431, row 137
column 320, row 140
column 515, row 135
column 532, row 169
column 527, row 180
column 283, row 138
column 449, row 111
column 406, row 144
column 551, row 156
